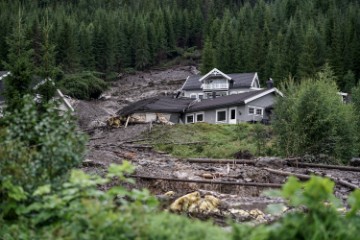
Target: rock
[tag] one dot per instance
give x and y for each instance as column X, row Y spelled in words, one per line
column 355, row 162
column 270, row 162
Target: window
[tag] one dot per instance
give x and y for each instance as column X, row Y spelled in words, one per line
column 221, row 115
column 201, row 96
column 193, row 95
column 199, row 117
column 190, row 118
column 256, row 111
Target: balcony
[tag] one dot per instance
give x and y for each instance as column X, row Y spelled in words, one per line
column 215, row 86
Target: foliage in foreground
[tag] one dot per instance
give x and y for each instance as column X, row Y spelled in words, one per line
column 311, row 119
column 213, row 140
column 319, row 217
column 78, row 210
column 37, row 148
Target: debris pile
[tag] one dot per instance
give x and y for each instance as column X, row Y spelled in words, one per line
column 193, row 203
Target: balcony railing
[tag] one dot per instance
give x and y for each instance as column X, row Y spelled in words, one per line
column 213, row 86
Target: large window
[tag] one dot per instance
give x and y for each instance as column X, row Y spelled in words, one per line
column 193, row 95
column 190, row 118
column 221, row 115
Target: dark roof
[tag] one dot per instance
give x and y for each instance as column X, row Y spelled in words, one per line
column 169, row 104
column 159, row 104
column 225, row 101
column 241, row 80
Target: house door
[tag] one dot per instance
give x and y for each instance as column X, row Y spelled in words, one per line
column 232, row 116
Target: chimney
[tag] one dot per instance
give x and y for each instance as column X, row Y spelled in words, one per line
column 213, row 95
column 231, row 83
column 270, row 83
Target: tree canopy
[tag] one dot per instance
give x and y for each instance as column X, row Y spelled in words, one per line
column 276, row 38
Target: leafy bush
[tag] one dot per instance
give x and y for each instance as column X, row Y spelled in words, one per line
column 320, row 218
column 83, row 85
column 80, row 211
column 311, row 119
column 37, row 147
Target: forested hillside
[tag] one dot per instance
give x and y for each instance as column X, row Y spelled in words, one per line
column 275, row 37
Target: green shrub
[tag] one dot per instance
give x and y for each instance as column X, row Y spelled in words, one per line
column 83, row 85
column 311, row 119
column 38, row 147
column 78, row 210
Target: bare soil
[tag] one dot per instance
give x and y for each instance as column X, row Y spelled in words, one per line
column 113, row 145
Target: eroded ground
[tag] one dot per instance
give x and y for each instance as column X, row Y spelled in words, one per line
column 113, row 145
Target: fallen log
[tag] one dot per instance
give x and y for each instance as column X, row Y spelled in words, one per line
column 136, row 146
column 337, row 180
column 341, row 168
column 135, row 140
column 251, row 184
column 220, row 161
column 183, row 143
column 306, row 177
column 283, row 173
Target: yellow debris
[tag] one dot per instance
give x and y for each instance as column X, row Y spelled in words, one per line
column 114, row 122
column 256, row 213
column 183, row 203
column 193, row 203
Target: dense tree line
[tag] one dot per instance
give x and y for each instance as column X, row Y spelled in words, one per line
column 276, row 38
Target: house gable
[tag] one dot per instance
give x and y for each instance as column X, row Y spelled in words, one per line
column 214, row 73
column 272, row 90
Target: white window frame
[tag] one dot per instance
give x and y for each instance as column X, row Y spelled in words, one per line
column 199, row 113
column 255, row 111
column 226, row 115
column 186, row 118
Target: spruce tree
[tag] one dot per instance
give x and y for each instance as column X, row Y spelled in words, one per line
column 207, row 57
column 142, row 55
column 19, row 63
column 47, row 70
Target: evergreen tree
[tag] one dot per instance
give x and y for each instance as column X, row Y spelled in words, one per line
column 142, row 55
column 86, row 48
column 207, row 57
column 311, row 58
column 67, row 47
column 47, row 70
column 347, row 82
column 19, row 64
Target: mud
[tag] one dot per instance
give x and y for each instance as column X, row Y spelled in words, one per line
column 114, row 145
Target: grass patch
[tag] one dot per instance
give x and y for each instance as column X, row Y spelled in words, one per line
column 215, row 141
